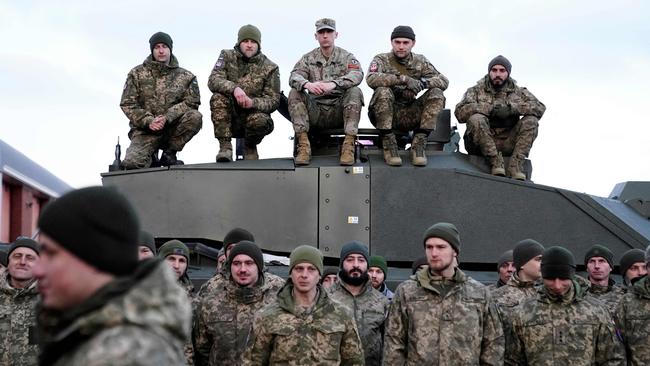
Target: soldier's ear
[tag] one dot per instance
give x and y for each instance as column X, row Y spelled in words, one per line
column 336, row 35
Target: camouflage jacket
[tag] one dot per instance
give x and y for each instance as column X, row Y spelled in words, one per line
column 573, row 329
column 224, row 319
column 496, row 285
column 482, row 97
column 143, row 319
column 258, row 77
column 436, row 321
column 154, row 88
column 17, row 323
column 609, row 295
column 187, row 285
column 341, row 67
column 633, row 319
column 370, row 308
column 284, row 336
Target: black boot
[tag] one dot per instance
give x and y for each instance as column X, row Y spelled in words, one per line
column 168, row 158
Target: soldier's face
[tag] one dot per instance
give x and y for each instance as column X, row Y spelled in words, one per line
column 638, row 269
column 498, row 75
column 558, row 286
column 305, row 277
column 144, row 252
column 178, row 264
column 20, row 264
column 506, row 270
column 532, row 269
column 161, row 52
column 598, row 268
column 355, row 265
column 440, row 254
column 402, row 46
column 249, row 48
column 329, row 280
column 326, row 37
column 244, row 270
column 376, row 276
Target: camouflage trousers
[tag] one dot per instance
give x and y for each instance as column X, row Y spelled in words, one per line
column 230, row 120
column 174, row 136
column 388, row 112
column 307, row 111
column 481, row 139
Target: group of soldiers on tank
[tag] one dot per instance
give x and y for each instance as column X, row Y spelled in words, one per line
column 161, row 101
column 95, row 289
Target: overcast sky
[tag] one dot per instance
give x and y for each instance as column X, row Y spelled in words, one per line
column 63, row 65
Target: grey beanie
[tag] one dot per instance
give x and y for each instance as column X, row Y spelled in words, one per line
column 505, row 257
column 526, row 250
column 354, row 247
column 500, row 60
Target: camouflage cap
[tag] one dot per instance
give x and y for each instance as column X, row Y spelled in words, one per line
column 325, row 23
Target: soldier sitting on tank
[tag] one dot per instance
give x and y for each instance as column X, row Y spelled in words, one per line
column 397, row 77
column 161, row 101
column 502, row 119
column 246, row 90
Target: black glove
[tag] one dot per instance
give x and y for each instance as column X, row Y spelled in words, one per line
column 502, row 111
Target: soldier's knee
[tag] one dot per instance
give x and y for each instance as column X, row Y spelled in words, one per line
column 529, row 123
column 478, row 121
column 219, row 101
column 257, row 119
column 354, row 95
column 194, row 119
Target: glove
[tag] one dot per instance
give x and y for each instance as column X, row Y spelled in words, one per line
column 413, row 85
column 502, row 111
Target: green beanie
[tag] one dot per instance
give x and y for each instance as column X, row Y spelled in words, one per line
column 379, row 262
column 629, row 258
column 249, row 31
column 146, row 240
column 160, row 37
column 445, row 231
column 600, row 251
column 306, row 253
column 558, row 262
column 174, row 247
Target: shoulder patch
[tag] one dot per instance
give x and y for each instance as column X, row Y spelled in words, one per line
column 353, row 64
column 374, row 66
column 219, row 64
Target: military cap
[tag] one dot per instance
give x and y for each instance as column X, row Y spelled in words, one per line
column 445, row 231
column 306, row 254
column 629, row 258
column 600, row 251
column 160, row 37
column 500, row 60
column 25, row 242
column 558, row 262
column 146, row 240
column 524, row 251
column 379, row 262
column 325, row 23
column 176, row 247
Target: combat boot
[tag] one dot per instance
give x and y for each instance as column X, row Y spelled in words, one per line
column 168, row 158
column 418, row 148
column 303, row 151
column 347, row 150
column 225, row 151
column 389, row 144
column 515, row 168
column 250, row 152
column 497, row 165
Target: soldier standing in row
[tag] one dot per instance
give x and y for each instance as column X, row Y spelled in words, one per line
column 146, row 245
column 18, row 298
column 330, row 75
column 378, row 272
column 161, row 101
column 598, row 261
column 329, row 277
column 505, row 269
column 502, row 119
column 246, row 90
column 632, row 266
column 397, row 77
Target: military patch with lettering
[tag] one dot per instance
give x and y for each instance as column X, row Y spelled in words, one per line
column 374, row 66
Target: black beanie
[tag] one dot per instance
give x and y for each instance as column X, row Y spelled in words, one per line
column 505, row 257
column 524, row 251
column 176, row 247
column 146, row 240
column 250, row 249
column 160, row 37
column 354, row 247
column 422, row 261
column 558, row 262
column 236, row 235
column 500, row 60
column 330, row 271
column 446, row 231
column 629, row 258
column 600, row 251
column 96, row 224
column 23, row 241
column 403, row 31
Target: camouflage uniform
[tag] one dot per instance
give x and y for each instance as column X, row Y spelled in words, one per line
column 573, row 329
column 436, row 321
column 395, row 107
column 370, row 308
column 633, row 319
column 609, row 295
column 341, row 107
column 143, row 319
column 285, row 335
column 188, row 287
column 496, row 285
column 259, row 78
column 225, row 317
column 17, row 323
column 154, row 89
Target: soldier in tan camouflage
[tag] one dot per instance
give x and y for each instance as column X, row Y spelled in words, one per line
column 18, row 298
column 225, row 314
column 246, row 90
column 369, row 306
column 505, row 269
column 599, row 262
column 632, row 314
column 561, row 325
column 502, row 119
column 161, row 101
column 440, row 316
column 303, row 326
column 330, row 75
column 397, row 77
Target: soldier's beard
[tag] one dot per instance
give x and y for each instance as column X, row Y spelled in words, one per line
column 353, row 281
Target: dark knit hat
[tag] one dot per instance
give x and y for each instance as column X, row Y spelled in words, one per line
column 422, row 261
column 524, row 251
column 96, row 224
column 236, row 235
column 23, row 241
column 250, row 249
column 330, row 271
column 221, row 253
column 160, row 37
column 251, row 32
column 500, row 60
column 505, row 257
column 306, row 253
column 146, row 240
column 600, row 251
column 379, row 262
column 403, row 31
column 325, row 23
column 174, row 247
column 558, row 262
column 354, row 247
column 629, row 258
column 446, row 231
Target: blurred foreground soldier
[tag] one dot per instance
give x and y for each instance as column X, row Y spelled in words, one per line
column 599, row 262
column 161, row 101
column 123, row 312
column 329, row 278
column 146, row 245
column 397, row 78
column 441, row 316
column 632, row 266
column 502, row 119
column 378, row 271
column 632, row 317
column 18, row 298
column 225, row 316
column 368, row 305
column 505, row 268
column 303, row 326
column 561, row 325
column 246, row 90
column 324, row 93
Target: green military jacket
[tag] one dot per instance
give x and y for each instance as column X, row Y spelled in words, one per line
column 258, row 77
column 436, row 321
column 154, row 88
column 633, row 321
column 284, row 336
column 18, row 344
